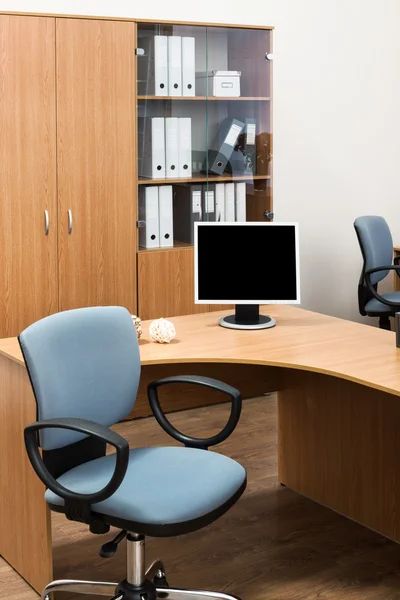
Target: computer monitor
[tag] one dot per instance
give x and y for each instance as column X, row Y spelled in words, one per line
column 246, row 264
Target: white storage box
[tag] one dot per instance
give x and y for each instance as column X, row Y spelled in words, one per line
column 220, row 83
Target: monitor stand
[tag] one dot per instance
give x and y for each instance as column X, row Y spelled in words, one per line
column 247, row 316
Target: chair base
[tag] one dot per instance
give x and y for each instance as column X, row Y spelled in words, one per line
column 115, row 591
column 140, row 583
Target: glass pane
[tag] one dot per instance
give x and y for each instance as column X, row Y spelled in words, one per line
column 239, row 122
column 202, row 91
column 175, row 111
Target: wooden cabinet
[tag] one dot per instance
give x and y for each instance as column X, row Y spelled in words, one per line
column 28, row 257
column 96, row 163
column 73, row 92
column 67, row 168
column 232, row 53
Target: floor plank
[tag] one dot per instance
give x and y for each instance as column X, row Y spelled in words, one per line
column 273, row 544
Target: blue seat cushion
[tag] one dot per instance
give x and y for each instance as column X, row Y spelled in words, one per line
column 374, row 305
column 162, row 485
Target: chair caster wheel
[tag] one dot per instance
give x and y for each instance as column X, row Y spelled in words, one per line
column 160, row 582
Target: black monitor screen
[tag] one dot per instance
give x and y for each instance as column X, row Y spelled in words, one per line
column 246, row 263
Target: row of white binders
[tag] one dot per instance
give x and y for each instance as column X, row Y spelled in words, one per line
column 165, row 147
column 169, row 212
column 167, row 67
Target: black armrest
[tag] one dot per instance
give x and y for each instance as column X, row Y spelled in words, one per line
column 372, row 289
column 77, row 505
column 236, row 408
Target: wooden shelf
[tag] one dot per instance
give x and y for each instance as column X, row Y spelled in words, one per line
column 200, row 178
column 212, row 98
column 177, row 246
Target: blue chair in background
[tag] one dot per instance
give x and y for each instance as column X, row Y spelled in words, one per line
column 376, row 246
column 84, row 368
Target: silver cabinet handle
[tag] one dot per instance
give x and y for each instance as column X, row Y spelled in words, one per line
column 46, row 222
column 69, row 221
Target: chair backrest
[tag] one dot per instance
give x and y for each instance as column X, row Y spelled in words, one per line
column 376, row 245
column 82, row 363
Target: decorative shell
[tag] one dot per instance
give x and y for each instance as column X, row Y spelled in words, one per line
column 138, row 325
column 161, row 331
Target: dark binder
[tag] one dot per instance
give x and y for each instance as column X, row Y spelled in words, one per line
column 221, row 150
column 243, row 158
column 187, row 209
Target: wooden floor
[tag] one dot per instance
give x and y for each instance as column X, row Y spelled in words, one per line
column 273, row 544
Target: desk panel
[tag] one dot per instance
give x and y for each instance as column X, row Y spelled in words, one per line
column 339, row 445
column 251, row 380
column 25, row 524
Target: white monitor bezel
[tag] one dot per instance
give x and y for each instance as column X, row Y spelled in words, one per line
column 198, row 224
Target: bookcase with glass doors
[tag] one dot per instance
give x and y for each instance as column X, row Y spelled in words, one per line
column 204, row 124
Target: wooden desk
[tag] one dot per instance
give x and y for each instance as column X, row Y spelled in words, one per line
column 396, row 288
column 338, row 386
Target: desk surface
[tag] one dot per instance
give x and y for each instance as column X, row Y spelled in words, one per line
column 301, row 340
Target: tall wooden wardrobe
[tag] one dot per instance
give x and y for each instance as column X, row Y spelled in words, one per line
column 67, row 166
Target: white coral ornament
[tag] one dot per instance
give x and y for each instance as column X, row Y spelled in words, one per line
column 161, row 331
column 138, row 325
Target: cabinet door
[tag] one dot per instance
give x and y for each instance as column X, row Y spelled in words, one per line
column 248, row 174
column 28, row 273
column 166, row 288
column 96, row 162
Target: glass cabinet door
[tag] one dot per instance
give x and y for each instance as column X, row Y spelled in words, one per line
column 204, row 142
column 171, row 132
column 239, row 136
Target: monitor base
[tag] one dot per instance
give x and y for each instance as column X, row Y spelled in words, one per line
column 231, row 323
column 247, row 316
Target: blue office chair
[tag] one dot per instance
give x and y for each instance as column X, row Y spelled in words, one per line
column 84, row 368
column 376, row 246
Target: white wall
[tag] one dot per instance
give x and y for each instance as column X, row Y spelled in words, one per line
column 336, row 120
